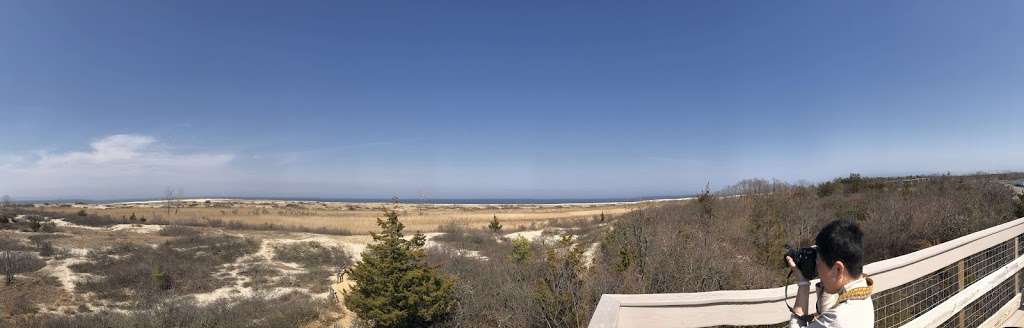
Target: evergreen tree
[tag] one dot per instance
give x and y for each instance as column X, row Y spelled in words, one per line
column 393, row 285
column 495, row 226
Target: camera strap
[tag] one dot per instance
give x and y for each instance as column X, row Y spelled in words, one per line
column 858, row 293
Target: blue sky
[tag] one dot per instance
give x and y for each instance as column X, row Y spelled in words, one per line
column 117, row 99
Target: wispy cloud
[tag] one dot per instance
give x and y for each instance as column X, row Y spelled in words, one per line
column 127, row 151
column 112, row 162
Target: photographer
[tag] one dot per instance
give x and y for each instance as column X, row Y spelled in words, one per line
column 844, row 293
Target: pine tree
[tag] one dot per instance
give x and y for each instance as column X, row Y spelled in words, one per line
column 393, row 286
column 495, row 226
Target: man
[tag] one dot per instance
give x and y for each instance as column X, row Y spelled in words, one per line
column 846, row 301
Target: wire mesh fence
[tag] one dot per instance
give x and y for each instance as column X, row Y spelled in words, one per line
column 979, row 265
column 984, row 307
column 897, row 306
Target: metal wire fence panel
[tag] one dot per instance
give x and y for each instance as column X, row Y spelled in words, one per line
column 951, row 323
column 988, row 304
column 897, row 306
column 979, row 265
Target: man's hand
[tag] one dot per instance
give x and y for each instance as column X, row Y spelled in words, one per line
column 802, row 292
column 792, row 266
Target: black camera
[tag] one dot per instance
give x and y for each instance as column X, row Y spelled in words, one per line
column 804, row 259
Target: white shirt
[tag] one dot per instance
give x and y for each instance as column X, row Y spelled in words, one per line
column 852, row 313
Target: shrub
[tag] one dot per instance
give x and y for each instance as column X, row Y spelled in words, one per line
column 177, row 231
column 520, row 250
column 48, row 227
column 561, row 291
column 35, row 226
column 45, row 248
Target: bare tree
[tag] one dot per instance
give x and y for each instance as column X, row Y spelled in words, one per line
column 172, row 199
column 168, row 199
column 6, row 202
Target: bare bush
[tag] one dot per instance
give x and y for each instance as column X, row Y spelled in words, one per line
column 290, row 310
column 15, row 262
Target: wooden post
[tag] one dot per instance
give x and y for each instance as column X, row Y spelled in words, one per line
column 960, row 282
column 1016, row 278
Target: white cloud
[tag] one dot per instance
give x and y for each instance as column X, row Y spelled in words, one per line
column 130, row 151
column 114, row 166
column 115, row 148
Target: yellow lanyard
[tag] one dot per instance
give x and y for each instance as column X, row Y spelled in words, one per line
column 858, row 293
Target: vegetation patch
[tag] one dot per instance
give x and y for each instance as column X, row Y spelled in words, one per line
column 178, row 231
column 320, row 262
column 290, row 310
column 141, row 274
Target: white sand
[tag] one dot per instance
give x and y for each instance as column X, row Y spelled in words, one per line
column 588, row 255
column 265, row 255
column 137, row 228
column 59, row 269
column 529, row 235
column 65, row 224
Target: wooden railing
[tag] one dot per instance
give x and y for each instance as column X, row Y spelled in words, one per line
column 971, row 281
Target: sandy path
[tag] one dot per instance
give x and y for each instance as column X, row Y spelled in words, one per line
column 339, row 289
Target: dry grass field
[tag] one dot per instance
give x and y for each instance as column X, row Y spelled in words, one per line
column 359, row 218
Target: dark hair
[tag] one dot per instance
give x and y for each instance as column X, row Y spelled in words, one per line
column 841, row 240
